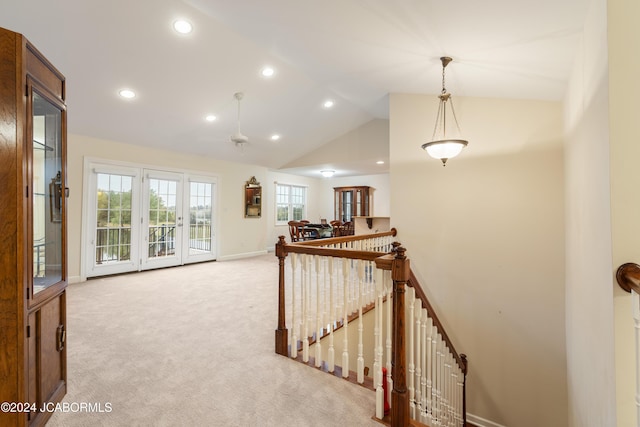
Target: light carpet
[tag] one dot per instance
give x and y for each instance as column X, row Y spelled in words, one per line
column 194, row 346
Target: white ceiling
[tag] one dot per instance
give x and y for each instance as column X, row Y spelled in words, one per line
column 355, row 52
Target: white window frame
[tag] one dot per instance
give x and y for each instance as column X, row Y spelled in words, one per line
column 290, row 203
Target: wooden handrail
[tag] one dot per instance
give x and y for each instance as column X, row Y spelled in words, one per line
column 343, row 239
column 628, row 277
column 316, row 247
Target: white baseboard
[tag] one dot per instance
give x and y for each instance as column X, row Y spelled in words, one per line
column 481, row 422
column 242, row 255
column 74, row 279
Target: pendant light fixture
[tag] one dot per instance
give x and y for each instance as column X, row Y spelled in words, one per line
column 445, row 142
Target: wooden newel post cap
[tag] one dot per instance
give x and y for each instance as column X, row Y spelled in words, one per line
column 281, row 251
column 400, row 269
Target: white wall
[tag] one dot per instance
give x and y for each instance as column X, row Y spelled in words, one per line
column 485, row 236
column 589, row 295
column 361, row 147
column 624, row 136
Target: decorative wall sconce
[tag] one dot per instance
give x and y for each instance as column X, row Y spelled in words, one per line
column 252, row 199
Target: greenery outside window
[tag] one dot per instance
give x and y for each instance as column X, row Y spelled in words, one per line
column 291, row 203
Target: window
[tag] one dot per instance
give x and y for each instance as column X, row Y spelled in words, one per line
column 291, row 203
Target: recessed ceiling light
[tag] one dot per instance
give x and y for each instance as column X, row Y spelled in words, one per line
column 182, row 26
column 275, row 137
column 380, row 162
column 328, row 103
column 127, row 93
column 268, row 72
column 210, row 118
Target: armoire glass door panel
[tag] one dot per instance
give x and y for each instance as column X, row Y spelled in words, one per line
column 352, row 201
column 48, row 193
column 347, row 201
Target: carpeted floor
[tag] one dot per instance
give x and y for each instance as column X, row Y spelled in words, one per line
column 194, row 346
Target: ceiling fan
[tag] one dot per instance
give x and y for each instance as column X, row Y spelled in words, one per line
column 238, row 138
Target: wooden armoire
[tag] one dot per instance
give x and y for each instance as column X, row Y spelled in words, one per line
column 33, row 254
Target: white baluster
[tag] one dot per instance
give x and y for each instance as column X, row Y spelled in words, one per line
column 419, row 344
column 377, row 364
column 345, row 320
column 460, row 393
column 446, row 382
column 353, row 290
column 429, row 357
column 453, row 389
column 410, row 302
column 368, row 281
column 453, row 404
column 439, row 362
column 331, row 352
column 360, row 367
column 326, row 312
column 427, row 363
column 306, row 278
column 372, row 284
column 294, row 303
column 318, row 355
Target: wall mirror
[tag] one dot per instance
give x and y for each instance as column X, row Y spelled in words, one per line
column 252, row 199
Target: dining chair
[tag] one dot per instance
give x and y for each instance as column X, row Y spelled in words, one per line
column 347, row 229
column 335, row 224
column 297, row 231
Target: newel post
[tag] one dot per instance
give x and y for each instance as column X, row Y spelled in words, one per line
column 281, row 332
column 400, row 272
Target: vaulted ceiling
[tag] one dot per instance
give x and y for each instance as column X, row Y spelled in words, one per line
column 354, row 52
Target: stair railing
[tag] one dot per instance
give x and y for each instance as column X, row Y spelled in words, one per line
column 332, row 282
column 628, row 277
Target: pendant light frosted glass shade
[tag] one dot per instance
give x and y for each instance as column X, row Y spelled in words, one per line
column 445, row 142
column 444, row 150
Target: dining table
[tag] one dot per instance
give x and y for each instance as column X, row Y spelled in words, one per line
column 318, row 231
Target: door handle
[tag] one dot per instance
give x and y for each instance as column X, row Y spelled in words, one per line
column 61, row 336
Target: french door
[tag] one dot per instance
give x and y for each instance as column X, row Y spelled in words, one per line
column 162, row 220
column 140, row 219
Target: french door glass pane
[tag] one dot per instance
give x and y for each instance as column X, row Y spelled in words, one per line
column 200, row 213
column 47, row 193
column 162, row 217
column 113, row 220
